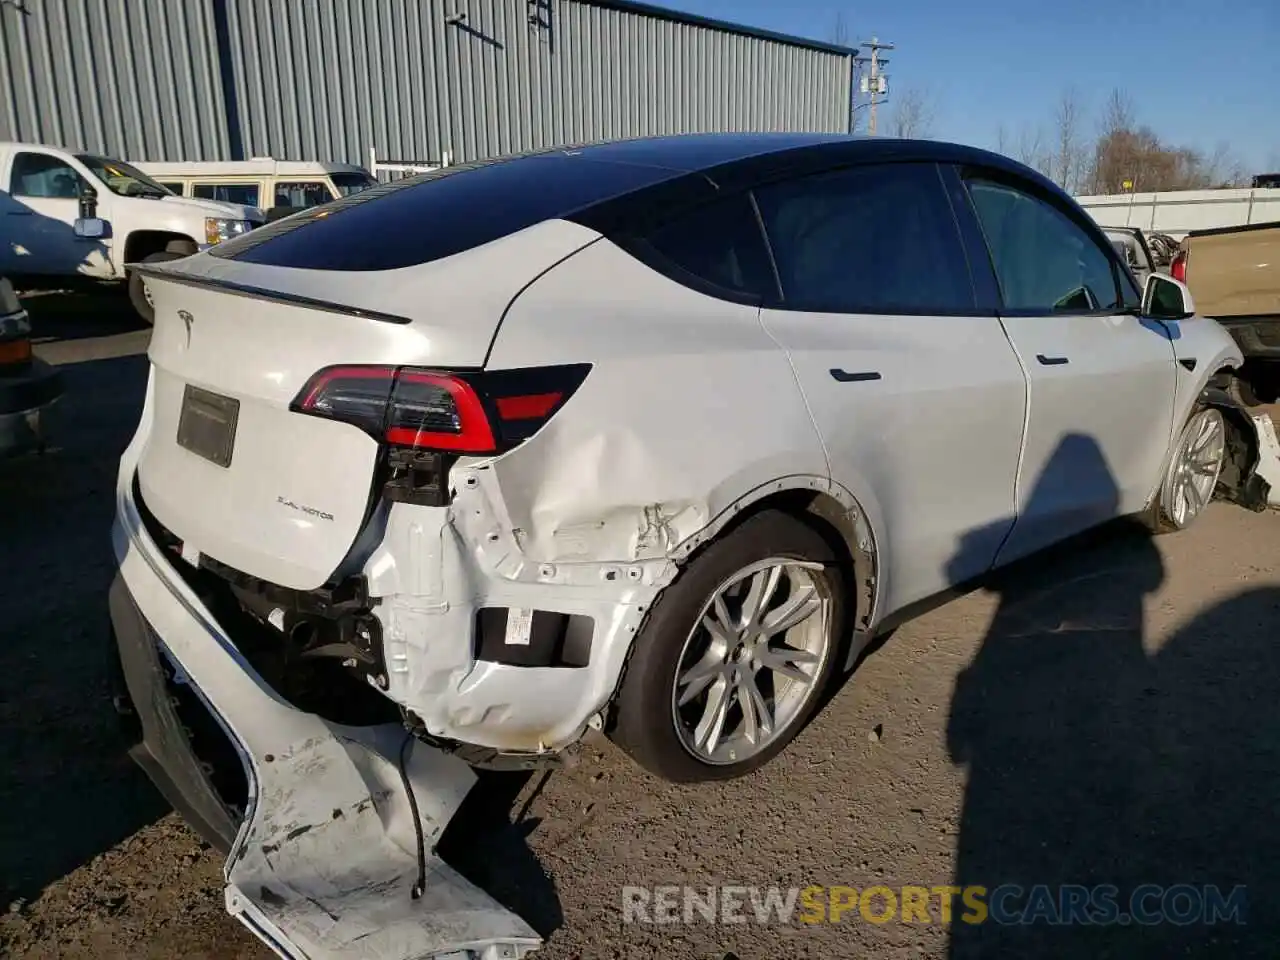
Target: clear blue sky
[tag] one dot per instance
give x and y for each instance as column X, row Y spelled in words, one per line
column 1199, row 72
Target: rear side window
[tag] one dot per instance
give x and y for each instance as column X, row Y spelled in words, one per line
column 243, row 193
column 309, row 193
column 436, row 215
column 867, row 239
column 1046, row 263
column 718, row 245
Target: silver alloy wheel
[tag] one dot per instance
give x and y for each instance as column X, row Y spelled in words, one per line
column 1194, row 467
column 751, row 663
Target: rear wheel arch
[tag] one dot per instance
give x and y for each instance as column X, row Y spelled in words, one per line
column 825, row 506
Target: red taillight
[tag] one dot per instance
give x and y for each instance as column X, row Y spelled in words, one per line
column 1178, row 268
column 435, row 411
column 475, row 413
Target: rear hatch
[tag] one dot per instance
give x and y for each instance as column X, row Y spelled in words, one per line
column 235, row 473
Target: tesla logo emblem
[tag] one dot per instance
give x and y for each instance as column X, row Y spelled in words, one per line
column 187, row 319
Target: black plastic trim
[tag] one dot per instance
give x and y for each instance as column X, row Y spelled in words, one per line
column 262, row 293
column 164, row 754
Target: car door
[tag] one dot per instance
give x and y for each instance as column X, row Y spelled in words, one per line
column 913, row 386
column 1101, row 378
column 40, row 212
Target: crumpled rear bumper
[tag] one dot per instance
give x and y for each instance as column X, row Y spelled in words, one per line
column 324, row 858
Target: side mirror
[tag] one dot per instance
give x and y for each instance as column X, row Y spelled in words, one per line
column 90, row 228
column 1164, row 298
column 88, row 202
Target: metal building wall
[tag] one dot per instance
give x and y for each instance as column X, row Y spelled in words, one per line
column 133, row 78
column 328, row 79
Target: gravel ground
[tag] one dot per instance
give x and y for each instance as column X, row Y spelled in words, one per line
column 1107, row 714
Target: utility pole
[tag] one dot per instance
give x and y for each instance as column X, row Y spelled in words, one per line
column 874, row 82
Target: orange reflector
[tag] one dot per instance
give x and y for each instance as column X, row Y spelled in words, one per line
column 15, row 351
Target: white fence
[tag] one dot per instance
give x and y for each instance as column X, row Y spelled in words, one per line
column 1181, row 211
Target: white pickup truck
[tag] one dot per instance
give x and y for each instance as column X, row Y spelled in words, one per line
column 81, row 216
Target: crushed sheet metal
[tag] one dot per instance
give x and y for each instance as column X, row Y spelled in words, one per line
column 436, row 567
column 1268, row 467
column 323, row 865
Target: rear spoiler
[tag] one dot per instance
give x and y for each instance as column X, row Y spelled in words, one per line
column 166, row 272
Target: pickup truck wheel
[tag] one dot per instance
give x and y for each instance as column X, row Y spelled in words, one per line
column 139, row 296
column 735, row 655
column 1192, row 476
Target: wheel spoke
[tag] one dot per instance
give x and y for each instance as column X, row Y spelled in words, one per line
column 796, row 609
column 726, row 708
column 757, row 720
column 698, row 677
column 711, row 726
column 763, row 586
column 1194, row 503
column 782, row 660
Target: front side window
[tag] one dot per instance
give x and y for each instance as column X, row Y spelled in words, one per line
column 122, row 178
column 879, row 238
column 302, row 194
column 242, row 193
column 173, row 186
column 720, row 244
column 39, row 175
column 1044, row 261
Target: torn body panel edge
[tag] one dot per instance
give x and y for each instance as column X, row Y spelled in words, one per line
column 326, row 856
column 437, row 570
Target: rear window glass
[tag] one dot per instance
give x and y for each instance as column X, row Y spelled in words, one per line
column 439, row 214
column 719, row 244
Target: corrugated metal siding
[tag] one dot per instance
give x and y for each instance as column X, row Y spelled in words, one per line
column 328, row 79
column 135, row 78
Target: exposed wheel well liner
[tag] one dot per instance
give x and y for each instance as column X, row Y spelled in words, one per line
column 143, row 243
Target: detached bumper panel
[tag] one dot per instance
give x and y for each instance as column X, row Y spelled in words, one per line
column 323, row 863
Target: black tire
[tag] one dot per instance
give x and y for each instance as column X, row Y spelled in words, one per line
column 643, row 724
column 137, row 291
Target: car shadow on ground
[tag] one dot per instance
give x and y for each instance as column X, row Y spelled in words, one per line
column 486, row 842
column 1120, row 799
column 67, row 789
column 93, row 311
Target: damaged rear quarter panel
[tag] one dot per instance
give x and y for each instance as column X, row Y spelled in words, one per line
column 689, row 407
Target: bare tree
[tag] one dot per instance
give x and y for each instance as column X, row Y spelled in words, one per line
column 1118, row 114
column 913, row 114
column 1224, row 169
column 1030, row 149
column 1002, row 139
column 840, row 30
column 1067, row 164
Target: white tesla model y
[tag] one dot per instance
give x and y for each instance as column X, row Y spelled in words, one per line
column 648, row 436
